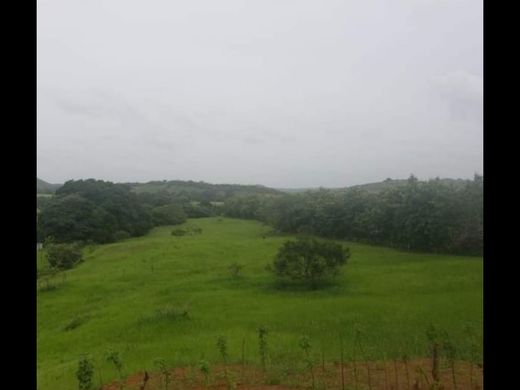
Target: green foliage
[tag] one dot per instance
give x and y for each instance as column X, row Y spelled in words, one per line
column 222, row 348
column 63, row 256
column 160, row 363
column 170, row 214
column 188, row 231
column 437, row 215
column 179, row 232
column 84, row 373
column 112, row 356
column 42, row 187
column 121, row 235
column 70, row 218
column 309, row 260
column 200, row 210
column 262, row 345
column 93, row 210
column 305, row 345
column 204, row 369
column 168, row 313
column 449, row 348
column 200, row 191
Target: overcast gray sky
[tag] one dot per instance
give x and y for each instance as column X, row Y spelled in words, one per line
column 285, row 93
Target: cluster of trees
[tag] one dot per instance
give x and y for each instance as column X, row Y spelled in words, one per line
column 433, row 215
column 192, row 191
column 309, row 261
column 101, row 211
column 417, row 215
column 63, row 256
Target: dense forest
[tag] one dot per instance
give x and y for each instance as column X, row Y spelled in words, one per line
column 200, row 191
column 102, row 211
column 435, row 215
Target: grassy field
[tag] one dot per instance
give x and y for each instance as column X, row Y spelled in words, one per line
column 129, row 296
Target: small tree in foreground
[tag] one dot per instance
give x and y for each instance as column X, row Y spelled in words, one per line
column 84, row 373
column 309, row 261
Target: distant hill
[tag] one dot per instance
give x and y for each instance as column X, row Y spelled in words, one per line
column 296, row 190
column 392, row 183
column 200, row 190
column 42, row 187
column 373, row 187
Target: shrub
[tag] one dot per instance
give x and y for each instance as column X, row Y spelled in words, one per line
column 113, row 357
column 84, row 373
column 165, row 372
column 204, row 368
column 179, row 232
column 305, row 345
column 262, row 344
column 309, row 261
column 166, row 313
column 222, row 347
column 63, row 256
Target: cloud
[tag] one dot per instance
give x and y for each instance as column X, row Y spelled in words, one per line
column 281, row 93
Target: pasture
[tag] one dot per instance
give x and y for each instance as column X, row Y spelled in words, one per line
column 171, row 297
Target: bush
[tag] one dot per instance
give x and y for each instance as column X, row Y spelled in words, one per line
column 179, row 232
column 309, row 261
column 84, row 373
column 63, row 256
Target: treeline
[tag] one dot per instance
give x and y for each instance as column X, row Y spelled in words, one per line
column 429, row 215
column 417, row 215
column 200, row 191
column 100, row 211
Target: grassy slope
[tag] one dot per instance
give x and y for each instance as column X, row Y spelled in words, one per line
column 393, row 295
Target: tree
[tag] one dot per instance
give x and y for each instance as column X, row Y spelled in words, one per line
column 93, row 210
column 63, row 256
column 309, row 261
column 72, row 218
column 170, row 214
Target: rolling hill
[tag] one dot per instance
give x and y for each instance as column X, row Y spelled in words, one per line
column 42, row 187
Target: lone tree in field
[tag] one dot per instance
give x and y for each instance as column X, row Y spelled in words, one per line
column 309, row 261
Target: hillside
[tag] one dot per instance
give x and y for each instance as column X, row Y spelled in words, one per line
column 392, row 183
column 201, row 191
column 42, row 187
column 373, row 187
column 130, row 297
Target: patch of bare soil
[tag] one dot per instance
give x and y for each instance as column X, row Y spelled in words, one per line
column 375, row 375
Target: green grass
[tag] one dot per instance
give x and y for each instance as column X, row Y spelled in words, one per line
column 130, row 296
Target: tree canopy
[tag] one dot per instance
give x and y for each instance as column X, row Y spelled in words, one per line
column 309, row 261
column 432, row 215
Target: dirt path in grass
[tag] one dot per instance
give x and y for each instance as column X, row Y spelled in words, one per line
column 379, row 375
